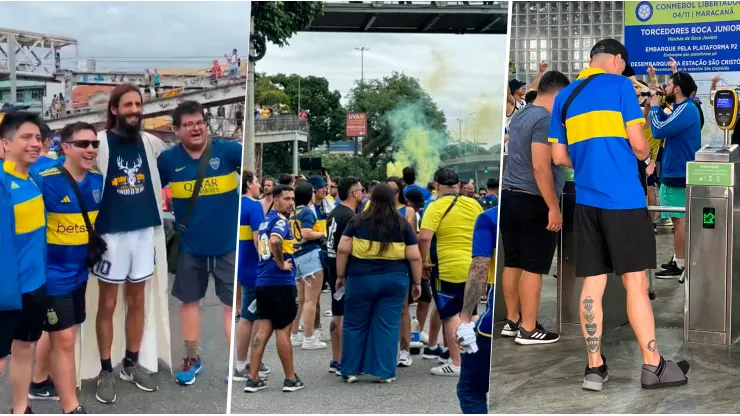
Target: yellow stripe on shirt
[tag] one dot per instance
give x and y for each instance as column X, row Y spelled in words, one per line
column 68, row 229
column 369, row 250
column 29, row 215
column 215, row 185
column 246, row 233
column 596, row 124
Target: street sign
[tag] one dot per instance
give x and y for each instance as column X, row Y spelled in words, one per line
column 356, row 124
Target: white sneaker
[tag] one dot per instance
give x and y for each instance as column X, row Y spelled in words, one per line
column 313, row 343
column 328, row 314
column 296, row 339
column 404, row 359
column 448, row 370
column 318, row 334
column 424, row 338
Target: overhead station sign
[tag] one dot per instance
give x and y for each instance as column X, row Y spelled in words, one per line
column 702, row 36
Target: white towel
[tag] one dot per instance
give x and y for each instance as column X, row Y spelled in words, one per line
column 156, row 344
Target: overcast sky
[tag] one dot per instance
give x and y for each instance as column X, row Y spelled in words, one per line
column 464, row 74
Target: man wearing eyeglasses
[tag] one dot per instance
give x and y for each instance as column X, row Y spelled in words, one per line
column 208, row 245
column 67, row 239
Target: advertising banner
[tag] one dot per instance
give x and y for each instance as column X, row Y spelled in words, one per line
column 702, row 36
column 356, row 124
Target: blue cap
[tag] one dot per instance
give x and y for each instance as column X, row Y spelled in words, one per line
column 317, row 181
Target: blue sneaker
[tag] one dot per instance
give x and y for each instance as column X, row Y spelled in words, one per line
column 432, row 353
column 191, row 367
column 335, row 367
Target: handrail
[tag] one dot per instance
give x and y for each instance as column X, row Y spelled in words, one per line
column 654, row 208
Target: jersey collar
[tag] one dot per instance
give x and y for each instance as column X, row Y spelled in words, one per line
column 9, row 168
column 590, row 71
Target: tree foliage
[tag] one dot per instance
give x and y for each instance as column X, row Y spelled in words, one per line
column 278, row 21
column 344, row 165
column 378, row 97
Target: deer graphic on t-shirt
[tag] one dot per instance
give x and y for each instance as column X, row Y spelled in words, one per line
column 130, row 171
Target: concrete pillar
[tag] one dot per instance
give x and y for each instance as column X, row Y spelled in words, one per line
column 295, row 153
column 12, row 47
column 248, row 157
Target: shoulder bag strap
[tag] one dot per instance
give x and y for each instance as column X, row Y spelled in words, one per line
column 80, row 201
column 576, row 91
column 196, row 188
column 449, row 208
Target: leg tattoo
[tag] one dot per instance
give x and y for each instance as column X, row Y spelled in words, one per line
column 651, row 345
column 332, row 326
column 256, row 343
column 592, row 341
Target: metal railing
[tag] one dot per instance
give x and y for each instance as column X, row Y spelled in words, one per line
column 275, row 123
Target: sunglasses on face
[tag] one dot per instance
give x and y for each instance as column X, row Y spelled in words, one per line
column 84, row 144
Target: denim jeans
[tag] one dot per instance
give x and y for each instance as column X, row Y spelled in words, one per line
column 472, row 387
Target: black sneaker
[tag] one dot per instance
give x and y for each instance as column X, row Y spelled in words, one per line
column 43, row 391
column 432, row 353
column 671, row 272
column 444, row 357
column 671, row 263
column 79, row 410
column 594, row 378
column 538, row 336
column 27, row 412
column 255, row 386
column 293, row 385
column 666, row 374
column 510, row 329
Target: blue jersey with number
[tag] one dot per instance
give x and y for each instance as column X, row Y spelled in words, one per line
column 268, row 272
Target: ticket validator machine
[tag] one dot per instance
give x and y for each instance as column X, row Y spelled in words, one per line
column 712, row 303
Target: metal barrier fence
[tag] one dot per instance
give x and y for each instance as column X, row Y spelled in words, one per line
column 286, row 122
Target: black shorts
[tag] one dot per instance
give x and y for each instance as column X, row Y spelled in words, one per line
column 25, row 324
column 277, row 304
column 528, row 245
column 613, row 240
column 65, row 311
column 426, row 290
column 448, row 297
column 337, row 306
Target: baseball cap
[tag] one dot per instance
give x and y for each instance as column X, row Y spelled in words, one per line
column 414, row 195
column 613, row 47
column 515, row 84
column 446, row 177
column 317, row 181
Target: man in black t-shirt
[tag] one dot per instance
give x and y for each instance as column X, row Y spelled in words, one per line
column 350, row 193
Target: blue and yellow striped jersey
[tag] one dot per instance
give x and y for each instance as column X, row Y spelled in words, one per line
column 212, row 227
column 66, row 232
column 604, row 165
column 304, row 217
column 366, row 258
column 30, row 227
column 268, row 272
column 251, row 217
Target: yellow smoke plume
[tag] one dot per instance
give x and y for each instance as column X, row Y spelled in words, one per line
column 416, row 143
